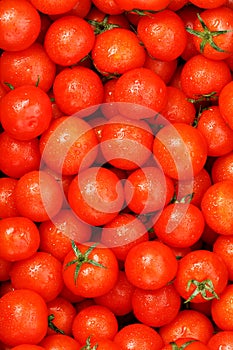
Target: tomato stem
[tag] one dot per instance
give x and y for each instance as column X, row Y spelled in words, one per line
column 183, row 346
column 87, row 346
column 201, row 288
column 53, row 326
column 103, row 26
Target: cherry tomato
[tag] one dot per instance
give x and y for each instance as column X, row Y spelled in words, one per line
column 222, row 168
column 53, row 7
column 7, row 198
column 222, row 311
column 221, row 338
column 222, row 246
column 225, row 103
column 186, row 343
column 165, row 69
column 17, row 329
column 59, row 342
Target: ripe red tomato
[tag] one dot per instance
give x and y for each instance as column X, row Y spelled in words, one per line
column 208, row 4
column 41, row 272
column 28, row 347
column 30, row 66
column 68, row 40
column 163, row 35
column 96, row 196
column 20, row 25
column 222, row 246
column 7, row 197
column 59, row 342
column 225, row 103
column 221, row 339
column 53, row 7
column 17, row 329
column 222, row 310
column 165, row 69
column 19, row 238
column 117, row 51
column 25, row 112
column 153, row 5
column 217, row 205
column 186, row 343
column 150, row 265
column 90, row 270
column 222, row 168
column 202, row 275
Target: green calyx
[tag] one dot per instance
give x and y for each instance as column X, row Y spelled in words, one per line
column 182, row 347
column 88, row 346
column 201, row 288
column 82, row 258
column 53, row 326
column 207, row 36
column 100, row 27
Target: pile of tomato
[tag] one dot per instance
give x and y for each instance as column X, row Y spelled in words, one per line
column 116, row 174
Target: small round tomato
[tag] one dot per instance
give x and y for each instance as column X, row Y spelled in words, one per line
column 97, row 321
column 76, row 89
column 96, row 196
column 213, row 33
column 138, row 336
column 30, row 66
column 38, row 196
column 90, row 270
column 223, row 247
column 181, row 150
column 59, row 342
column 202, row 77
column 5, row 266
column 17, row 310
column 117, row 51
column 217, row 207
column 25, row 112
column 222, row 168
column 180, row 225
column 222, row 310
column 68, row 145
column 41, row 272
column 158, row 307
column 150, row 265
column 221, row 338
column 163, row 35
column 7, row 198
column 19, row 238
column 68, row 40
column 19, row 25
column 109, row 7
column 53, row 7
column 164, row 69
column 18, row 157
column 202, row 275
column 186, row 343
column 225, row 103
column 208, row 4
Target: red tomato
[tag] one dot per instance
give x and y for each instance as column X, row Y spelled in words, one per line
column 19, row 238
column 38, row 196
column 90, row 270
column 181, row 150
column 108, row 6
column 217, row 207
column 164, row 69
column 76, row 89
column 150, row 265
column 153, row 5
column 96, row 196
column 223, row 247
column 97, row 321
column 222, row 339
column 41, row 272
column 138, row 336
column 225, row 103
column 68, row 40
column 156, row 308
column 20, row 25
column 25, row 112
column 53, row 7
column 68, row 145
column 5, row 266
column 186, row 343
column 222, row 310
column 222, row 168
column 59, row 342
column 163, row 35
column 18, row 157
column 117, row 51
column 30, row 66
column 28, row 347
column 208, row 4
column 17, row 310
column 202, row 275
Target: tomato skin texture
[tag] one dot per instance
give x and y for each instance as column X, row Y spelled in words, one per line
column 202, row 76
column 27, row 67
column 150, row 265
column 217, row 207
column 18, row 309
column 155, row 5
column 225, row 103
column 222, row 246
column 76, row 89
column 41, row 272
column 59, row 341
column 68, row 40
column 92, row 281
column 222, row 338
column 25, row 112
column 18, row 157
column 143, row 87
column 222, row 168
column 7, row 198
column 201, row 265
column 38, row 196
column 163, row 35
column 179, row 227
column 222, row 311
column 156, row 308
column 53, row 7
column 28, row 347
column 96, row 320
column 19, row 238
column 138, row 336
column 96, row 196
column 117, row 51
column 208, row 4
column 181, row 150
column 186, row 343
column 19, row 25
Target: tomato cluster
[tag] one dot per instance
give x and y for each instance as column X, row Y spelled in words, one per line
column 116, row 174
